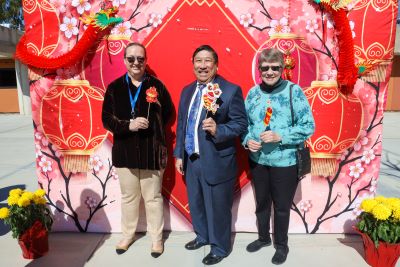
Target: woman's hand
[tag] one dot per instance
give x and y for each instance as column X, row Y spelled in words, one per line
column 270, row 137
column 253, row 145
column 138, row 123
column 179, row 166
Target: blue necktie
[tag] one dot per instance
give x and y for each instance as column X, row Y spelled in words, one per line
column 191, row 124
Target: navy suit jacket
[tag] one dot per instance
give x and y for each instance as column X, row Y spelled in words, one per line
column 217, row 153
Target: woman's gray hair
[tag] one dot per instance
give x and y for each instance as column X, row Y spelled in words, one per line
column 271, row 55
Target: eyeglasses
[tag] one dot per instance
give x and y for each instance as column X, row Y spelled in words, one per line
column 266, row 68
column 132, row 59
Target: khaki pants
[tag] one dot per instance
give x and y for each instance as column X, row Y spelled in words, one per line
column 135, row 183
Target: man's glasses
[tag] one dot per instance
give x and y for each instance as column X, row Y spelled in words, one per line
column 132, row 59
column 266, row 68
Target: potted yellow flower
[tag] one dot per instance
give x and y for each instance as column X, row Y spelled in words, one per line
column 379, row 226
column 29, row 219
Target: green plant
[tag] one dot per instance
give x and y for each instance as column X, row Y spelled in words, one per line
column 25, row 208
column 380, row 219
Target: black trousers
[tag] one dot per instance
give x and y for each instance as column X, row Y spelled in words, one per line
column 277, row 186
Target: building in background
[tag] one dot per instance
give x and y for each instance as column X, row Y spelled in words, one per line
column 14, row 87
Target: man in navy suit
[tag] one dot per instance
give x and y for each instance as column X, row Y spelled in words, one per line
column 205, row 153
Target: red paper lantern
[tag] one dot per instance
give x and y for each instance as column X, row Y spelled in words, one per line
column 338, row 120
column 303, row 59
column 106, row 63
column 41, row 19
column 70, row 115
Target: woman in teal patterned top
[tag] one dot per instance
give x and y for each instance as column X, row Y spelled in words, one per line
column 272, row 141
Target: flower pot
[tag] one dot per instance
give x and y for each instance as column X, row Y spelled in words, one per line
column 385, row 255
column 34, row 242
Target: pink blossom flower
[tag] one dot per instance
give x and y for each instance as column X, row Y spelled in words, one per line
column 114, row 174
column 66, row 73
column 95, row 163
column 81, row 5
column 281, row 26
column 155, row 20
column 38, row 151
column 117, row 3
column 344, row 154
column 305, row 205
column 368, row 156
column 357, row 209
column 311, row 25
column 356, row 170
column 123, row 29
column 45, row 142
column 69, row 27
column 45, row 164
column 38, row 135
column 59, row 5
column 333, row 75
column 373, row 186
column 246, row 20
column 91, row 202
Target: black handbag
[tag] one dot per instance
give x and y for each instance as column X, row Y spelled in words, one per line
column 303, row 156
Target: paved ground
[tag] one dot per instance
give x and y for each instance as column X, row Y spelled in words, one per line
column 97, row 250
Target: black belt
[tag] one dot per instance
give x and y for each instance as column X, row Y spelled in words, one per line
column 194, row 156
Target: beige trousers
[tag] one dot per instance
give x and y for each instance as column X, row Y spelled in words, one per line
column 135, row 183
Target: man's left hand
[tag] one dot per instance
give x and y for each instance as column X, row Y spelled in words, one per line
column 210, row 126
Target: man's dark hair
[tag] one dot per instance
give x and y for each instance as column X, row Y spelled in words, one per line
column 206, row 48
column 135, row 44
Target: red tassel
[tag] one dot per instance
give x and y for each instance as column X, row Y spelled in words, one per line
column 89, row 38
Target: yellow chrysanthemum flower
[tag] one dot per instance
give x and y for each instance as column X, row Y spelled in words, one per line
column 381, row 212
column 368, row 204
column 380, row 199
column 40, row 200
column 40, row 192
column 13, row 200
column 16, row 192
column 393, row 202
column 396, row 213
column 28, row 195
column 4, row 213
column 23, row 202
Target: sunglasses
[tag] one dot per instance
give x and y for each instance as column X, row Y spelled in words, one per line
column 266, row 68
column 132, row 59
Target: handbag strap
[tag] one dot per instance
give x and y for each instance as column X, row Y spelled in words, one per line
column 291, row 109
column 291, row 105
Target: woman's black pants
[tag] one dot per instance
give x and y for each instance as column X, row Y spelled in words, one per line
column 277, row 186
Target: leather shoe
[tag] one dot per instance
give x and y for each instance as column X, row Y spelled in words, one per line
column 211, row 259
column 156, row 252
column 257, row 245
column 123, row 246
column 194, row 244
column 280, row 256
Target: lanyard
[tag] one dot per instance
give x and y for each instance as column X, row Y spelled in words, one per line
column 133, row 100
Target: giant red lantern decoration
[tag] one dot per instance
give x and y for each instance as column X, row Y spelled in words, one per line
column 105, row 64
column 70, row 115
column 338, row 120
column 303, row 68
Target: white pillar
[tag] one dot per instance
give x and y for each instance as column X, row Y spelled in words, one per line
column 24, row 99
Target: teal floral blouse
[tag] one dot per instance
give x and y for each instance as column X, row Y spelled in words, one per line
column 280, row 154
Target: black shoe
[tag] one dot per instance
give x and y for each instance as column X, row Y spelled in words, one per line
column 194, row 244
column 257, row 245
column 211, row 259
column 280, row 256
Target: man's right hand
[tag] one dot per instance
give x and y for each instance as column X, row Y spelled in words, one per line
column 179, row 166
column 253, row 145
column 138, row 123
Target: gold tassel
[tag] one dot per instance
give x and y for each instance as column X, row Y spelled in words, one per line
column 76, row 163
column 323, row 166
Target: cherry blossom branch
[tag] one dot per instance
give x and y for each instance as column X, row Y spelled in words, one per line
column 258, row 28
column 302, row 216
column 141, row 28
column 327, row 52
column 136, row 12
column 265, row 11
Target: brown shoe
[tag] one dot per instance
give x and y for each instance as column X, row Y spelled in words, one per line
column 157, row 249
column 123, row 245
